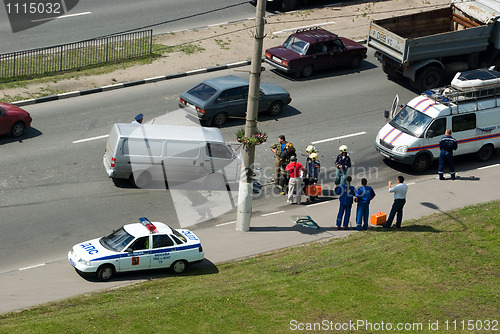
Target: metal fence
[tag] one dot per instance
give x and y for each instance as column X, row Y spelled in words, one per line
column 76, row 55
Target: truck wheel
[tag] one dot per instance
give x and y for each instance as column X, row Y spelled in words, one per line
column 307, row 71
column 421, row 163
column 105, row 272
column 391, row 72
column 178, row 267
column 17, row 129
column 355, row 62
column 428, row 78
column 287, row 5
column 485, row 153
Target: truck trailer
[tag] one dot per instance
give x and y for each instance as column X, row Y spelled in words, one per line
column 426, row 46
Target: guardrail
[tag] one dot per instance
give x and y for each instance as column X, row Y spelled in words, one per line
column 76, row 55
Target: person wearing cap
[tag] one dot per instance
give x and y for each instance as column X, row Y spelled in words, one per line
column 342, row 164
column 295, row 169
column 139, row 118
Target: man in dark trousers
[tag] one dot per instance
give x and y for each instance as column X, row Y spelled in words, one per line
column 399, row 202
column 447, row 145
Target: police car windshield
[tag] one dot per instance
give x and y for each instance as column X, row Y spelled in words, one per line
column 117, row 240
column 411, row 121
column 296, row 44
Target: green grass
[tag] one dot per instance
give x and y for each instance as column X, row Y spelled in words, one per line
column 437, row 268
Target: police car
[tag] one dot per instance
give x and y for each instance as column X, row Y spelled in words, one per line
column 139, row 246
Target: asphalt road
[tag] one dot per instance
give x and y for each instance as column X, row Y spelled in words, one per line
column 55, row 193
column 93, row 18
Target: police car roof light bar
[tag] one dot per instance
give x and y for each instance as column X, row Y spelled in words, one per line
column 149, row 225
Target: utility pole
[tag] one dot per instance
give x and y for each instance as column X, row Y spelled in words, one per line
column 244, row 211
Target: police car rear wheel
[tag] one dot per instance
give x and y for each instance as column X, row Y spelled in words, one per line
column 178, row 267
column 105, row 272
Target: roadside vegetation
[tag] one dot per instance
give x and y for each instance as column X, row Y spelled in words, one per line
column 158, row 51
column 444, row 267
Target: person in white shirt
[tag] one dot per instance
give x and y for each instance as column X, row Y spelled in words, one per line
column 399, row 202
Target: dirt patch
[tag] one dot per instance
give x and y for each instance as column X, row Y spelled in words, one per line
column 219, row 45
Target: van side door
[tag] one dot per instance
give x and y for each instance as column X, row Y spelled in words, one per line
column 182, row 161
column 463, row 129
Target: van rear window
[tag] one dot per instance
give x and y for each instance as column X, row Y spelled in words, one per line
column 203, row 91
column 142, row 147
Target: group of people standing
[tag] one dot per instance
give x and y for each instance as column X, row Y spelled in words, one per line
column 290, row 171
column 290, row 176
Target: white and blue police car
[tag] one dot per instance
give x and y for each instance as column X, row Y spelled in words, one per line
column 139, row 246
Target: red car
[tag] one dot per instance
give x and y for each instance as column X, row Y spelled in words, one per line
column 309, row 50
column 13, row 120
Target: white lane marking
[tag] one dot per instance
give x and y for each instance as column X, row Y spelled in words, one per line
column 226, row 223
column 409, row 184
column 89, row 139
column 341, row 137
column 316, row 204
column 272, row 213
column 62, row 16
column 31, row 267
column 485, row 167
column 304, row 27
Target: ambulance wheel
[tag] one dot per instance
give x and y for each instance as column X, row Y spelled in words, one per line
column 105, row 272
column 275, row 108
column 178, row 267
column 485, row 153
column 421, row 163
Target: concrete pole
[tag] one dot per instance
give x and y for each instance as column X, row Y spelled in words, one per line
column 244, row 211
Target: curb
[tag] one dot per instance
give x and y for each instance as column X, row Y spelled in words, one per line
column 129, row 84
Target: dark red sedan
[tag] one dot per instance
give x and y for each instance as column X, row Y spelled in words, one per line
column 13, row 120
column 306, row 51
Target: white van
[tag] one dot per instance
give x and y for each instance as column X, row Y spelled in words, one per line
column 470, row 108
column 153, row 155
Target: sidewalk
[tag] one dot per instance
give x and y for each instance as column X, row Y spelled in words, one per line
column 275, row 230
column 57, row 280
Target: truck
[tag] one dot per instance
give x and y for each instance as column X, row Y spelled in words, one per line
column 430, row 46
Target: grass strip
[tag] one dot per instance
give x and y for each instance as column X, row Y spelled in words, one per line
column 443, row 267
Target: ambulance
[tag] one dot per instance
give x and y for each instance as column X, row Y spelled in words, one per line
column 470, row 107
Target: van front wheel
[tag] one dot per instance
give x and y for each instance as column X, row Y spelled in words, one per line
column 421, row 163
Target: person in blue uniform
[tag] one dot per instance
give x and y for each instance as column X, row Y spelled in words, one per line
column 363, row 197
column 447, row 145
column 346, row 192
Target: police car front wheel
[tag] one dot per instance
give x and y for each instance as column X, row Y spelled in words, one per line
column 105, row 272
column 178, row 267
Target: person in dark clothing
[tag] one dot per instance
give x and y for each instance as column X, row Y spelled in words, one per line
column 342, row 164
column 346, row 192
column 447, row 145
column 284, row 161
